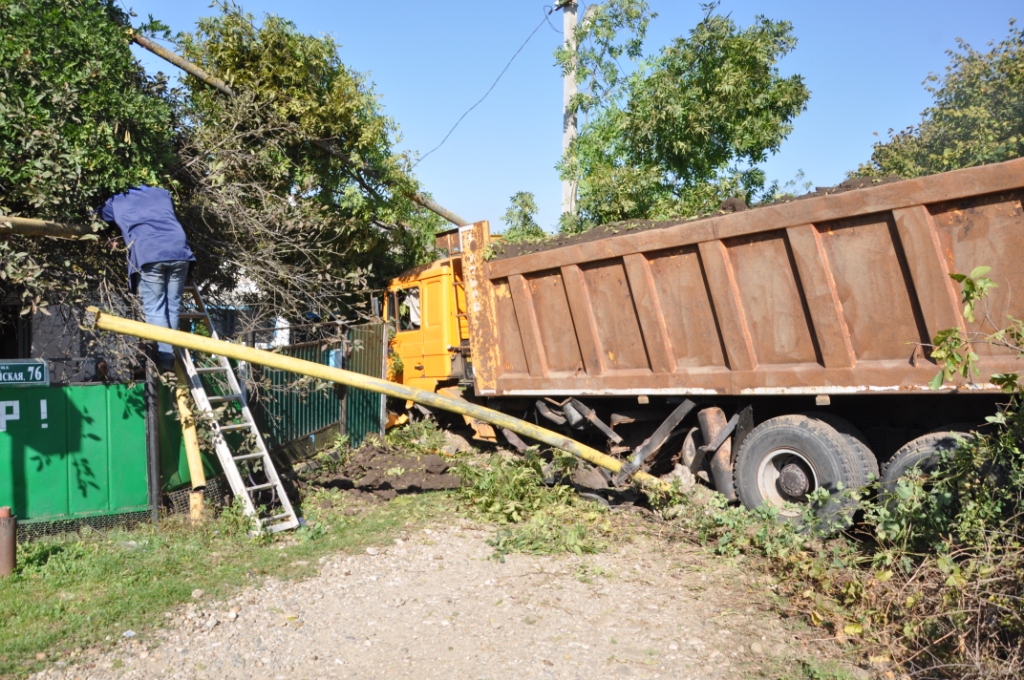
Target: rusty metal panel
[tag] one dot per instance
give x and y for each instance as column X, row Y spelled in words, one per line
column 776, row 312
column 986, row 231
column 689, row 315
column 870, row 270
column 830, row 294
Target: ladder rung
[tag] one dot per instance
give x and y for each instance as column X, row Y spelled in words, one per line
column 220, row 399
column 235, row 426
column 260, row 487
column 211, row 369
column 248, row 456
column 275, row 517
column 191, row 315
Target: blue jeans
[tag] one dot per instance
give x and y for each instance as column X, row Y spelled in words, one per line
column 161, row 285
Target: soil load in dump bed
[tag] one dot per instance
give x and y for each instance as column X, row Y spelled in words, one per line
column 502, row 250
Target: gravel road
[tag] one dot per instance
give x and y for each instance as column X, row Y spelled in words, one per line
column 435, row 605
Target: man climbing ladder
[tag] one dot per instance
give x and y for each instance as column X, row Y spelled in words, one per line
column 159, row 257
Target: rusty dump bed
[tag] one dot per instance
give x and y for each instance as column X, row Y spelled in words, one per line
column 825, row 295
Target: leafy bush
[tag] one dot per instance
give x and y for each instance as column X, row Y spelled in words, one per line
column 420, row 436
column 536, row 518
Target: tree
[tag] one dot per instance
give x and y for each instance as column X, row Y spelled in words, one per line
column 292, row 192
column 688, row 126
column 519, row 219
column 977, row 116
column 293, row 189
column 79, row 120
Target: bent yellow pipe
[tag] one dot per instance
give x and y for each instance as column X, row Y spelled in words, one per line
column 200, row 343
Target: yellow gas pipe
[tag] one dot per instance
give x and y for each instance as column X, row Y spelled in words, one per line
column 198, row 343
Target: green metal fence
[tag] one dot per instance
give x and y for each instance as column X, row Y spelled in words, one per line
column 365, row 412
column 292, row 406
column 73, row 452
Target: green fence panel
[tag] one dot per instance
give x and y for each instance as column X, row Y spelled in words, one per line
column 365, row 413
column 74, row 451
column 292, row 406
column 174, row 472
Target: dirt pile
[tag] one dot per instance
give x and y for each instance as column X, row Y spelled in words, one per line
column 381, row 472
column 729, row 206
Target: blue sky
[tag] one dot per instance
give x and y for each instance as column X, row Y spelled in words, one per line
column 863, row 61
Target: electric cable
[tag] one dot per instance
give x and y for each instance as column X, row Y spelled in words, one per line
column 493, row 85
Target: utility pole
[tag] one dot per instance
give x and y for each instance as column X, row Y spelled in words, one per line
column 568, row 92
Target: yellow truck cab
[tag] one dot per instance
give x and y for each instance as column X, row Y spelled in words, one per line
column 426, row 307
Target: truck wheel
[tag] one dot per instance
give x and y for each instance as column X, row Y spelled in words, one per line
column 855, row 439
column 923, row 453
column 784, row 459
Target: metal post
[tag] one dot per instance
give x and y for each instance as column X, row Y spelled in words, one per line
column 8, row 542
column 153, row 440
column 568, row 92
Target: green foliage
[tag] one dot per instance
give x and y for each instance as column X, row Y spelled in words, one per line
column 547, row 533
column 684, row 130
column 79, row 120
column 519, row 219
column 952, row 349
column 292, row 192
column 294, row 184
column 420, row 436
column 509, row 489
column 975, row 118
column 535, row 518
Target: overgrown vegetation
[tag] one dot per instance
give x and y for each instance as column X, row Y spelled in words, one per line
column 418, row 436
column 534, row 517
column 684, row 128
column 520, row 225
column 75, row 590
column 79, row 120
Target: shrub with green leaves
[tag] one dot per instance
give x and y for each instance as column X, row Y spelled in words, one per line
column 535, row 518
column 79, row 121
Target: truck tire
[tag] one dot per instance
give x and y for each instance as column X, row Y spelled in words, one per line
column 785, row 458
column 855, row 439
column 922, row 453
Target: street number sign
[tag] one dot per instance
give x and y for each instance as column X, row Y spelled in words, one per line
column 24, row 372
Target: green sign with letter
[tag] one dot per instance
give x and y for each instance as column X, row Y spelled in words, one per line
column 24, row 372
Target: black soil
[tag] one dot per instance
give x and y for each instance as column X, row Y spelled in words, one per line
column 730, row 205
column 375, row 472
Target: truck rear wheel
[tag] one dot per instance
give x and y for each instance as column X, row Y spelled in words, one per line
column 785, row 459
column 923, row 453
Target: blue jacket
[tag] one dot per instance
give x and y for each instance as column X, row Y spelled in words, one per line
column 145, row 216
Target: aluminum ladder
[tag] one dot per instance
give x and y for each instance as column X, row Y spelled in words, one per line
column 219, row 398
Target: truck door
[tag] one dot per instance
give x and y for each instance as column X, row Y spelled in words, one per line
column 436, row 358
column 405, row 309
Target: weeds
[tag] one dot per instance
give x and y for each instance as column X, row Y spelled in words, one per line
column 536, row 518
column 419, row 436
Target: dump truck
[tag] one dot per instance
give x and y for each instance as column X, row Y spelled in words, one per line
column 776, row 350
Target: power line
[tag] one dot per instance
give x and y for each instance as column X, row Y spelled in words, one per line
column 479, row 101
